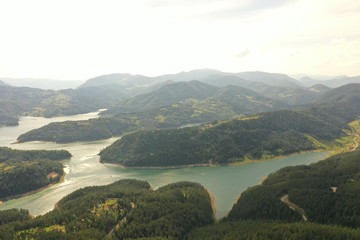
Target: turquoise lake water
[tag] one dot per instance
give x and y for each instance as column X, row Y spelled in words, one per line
column 225, row 182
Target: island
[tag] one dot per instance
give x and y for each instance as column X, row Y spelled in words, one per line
column 24, row 172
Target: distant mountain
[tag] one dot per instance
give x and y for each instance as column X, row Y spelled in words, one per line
column 342, row 94
column 225, row 103
column 272, row 79
column 2, row 83
column 319, row 88
column 198, row 74
column 247, row 101
column 317, row 77
column 16, row 101
column 292, row 96
column 126, row 80
column 140, row 83
column 166, row 95
column 308, row 81
column 332, row 82
column 43, row 83
column 289, row 95
column 131, row 81
column 337, row 82
column 222, row 81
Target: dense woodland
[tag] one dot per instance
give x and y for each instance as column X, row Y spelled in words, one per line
column 326, row 192
column 17, row 101
column 22, row 171
column 126, row 209
column 224, row 103
column 261, row 136
column 318, row 201
column 259, row 230
column 129, row 209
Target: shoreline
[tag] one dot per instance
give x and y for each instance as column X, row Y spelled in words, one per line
column 156, row 167
column 212, row 198
column 213, row 165
column 278, row 157
column 61, row 180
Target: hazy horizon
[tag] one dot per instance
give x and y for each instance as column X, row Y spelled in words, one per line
column 83, row 39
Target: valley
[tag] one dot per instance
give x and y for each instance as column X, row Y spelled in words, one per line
column 231, row 135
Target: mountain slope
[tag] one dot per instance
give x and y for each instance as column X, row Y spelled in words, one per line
column 228, row 102
column 337, row 82
column 2, row 83
column 261, row 136
column 43, row 83
column 166, row 95
column 16, row 101
column 247, row 101
column 323, row 192
column 126, row 209
column 22, row 171
column 272, row 79
column 293, row 95
column 133, row 81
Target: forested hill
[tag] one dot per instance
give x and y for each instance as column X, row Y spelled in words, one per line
column 166, row 95
column 225, row 103
column 342, row 94
column 326, row 192
column 16, row 101
column 129, row 81
column 261, row 136
column 130, row 209
column 22, row 171
column 126, row 209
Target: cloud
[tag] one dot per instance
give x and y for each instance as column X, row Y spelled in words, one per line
column 293, row 53
column 245, row 8
column 244, row 53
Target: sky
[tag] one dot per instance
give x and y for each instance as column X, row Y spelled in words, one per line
column 80, row 39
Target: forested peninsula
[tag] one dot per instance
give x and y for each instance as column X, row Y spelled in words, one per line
column 23, row 171
column 127, row 209
column 326, row 192
column 318, row 201
column 261, row 136
column 172, row 106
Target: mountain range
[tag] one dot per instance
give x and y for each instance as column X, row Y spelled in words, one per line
column 173, row 105
column 261, row 136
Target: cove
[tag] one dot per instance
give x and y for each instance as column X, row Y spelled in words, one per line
column 225, row 182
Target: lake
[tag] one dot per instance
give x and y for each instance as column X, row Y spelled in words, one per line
column 83, row 169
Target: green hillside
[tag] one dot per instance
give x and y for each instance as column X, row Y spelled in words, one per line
column 262, row 136
column 325, row 192
column 166, row 95
column 17, row 101
column 127, row 209
column 266, row 230
column 319, row 201
column 22, row 171
column 226, row 103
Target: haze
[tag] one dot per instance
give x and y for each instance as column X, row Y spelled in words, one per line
column 82, row 39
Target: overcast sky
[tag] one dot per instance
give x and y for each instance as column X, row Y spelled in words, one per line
column 80, row 39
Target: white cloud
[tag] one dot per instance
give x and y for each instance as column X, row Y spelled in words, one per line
column 243, row 53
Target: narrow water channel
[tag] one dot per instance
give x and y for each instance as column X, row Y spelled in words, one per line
column 84, row 169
